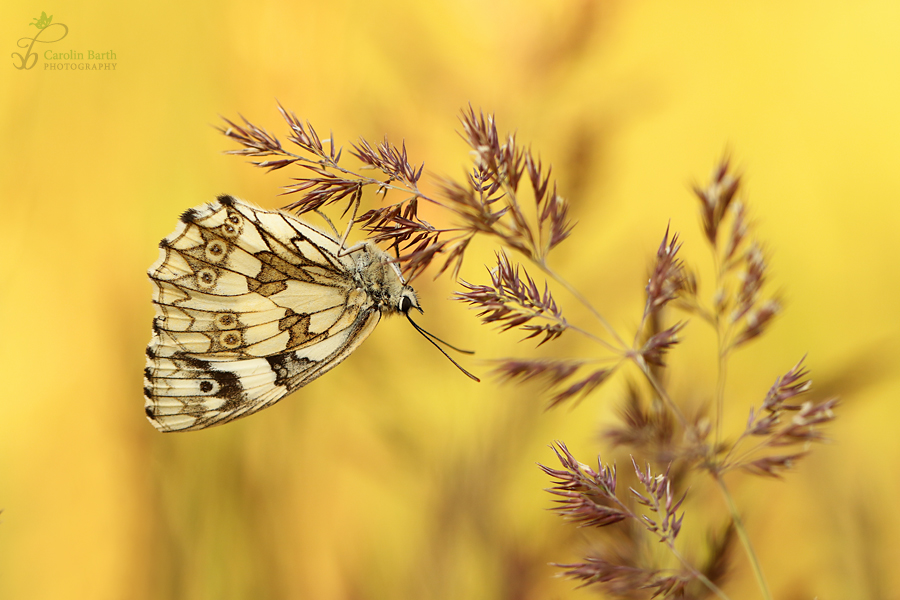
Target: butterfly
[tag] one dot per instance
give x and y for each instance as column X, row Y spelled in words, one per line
column 253, row 304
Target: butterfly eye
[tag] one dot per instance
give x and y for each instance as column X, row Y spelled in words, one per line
column 232, row 226
column 230, row 340
column 215, row 251
column 226, row 321
column 206, row 278
column 406, row 304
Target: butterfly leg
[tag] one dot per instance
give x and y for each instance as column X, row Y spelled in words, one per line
column 357, row 196
column 352, row 249
column 327, row 220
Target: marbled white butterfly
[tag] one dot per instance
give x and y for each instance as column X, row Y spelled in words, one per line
column 252, row 304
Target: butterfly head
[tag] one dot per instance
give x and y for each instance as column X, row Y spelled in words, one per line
column 408, row 300
column 383, row 281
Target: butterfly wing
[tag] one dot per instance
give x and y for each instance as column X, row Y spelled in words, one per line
column 250, row 305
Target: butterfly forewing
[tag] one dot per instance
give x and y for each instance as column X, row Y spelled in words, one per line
column 251, row 305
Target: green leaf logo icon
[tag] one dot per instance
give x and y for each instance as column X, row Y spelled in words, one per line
column 42, row 21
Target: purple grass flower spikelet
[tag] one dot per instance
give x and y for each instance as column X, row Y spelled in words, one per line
column 508, row 197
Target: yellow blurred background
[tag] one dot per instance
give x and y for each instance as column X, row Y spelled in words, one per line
column 395, row 476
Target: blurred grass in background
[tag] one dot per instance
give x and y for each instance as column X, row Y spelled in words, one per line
column 396, row 477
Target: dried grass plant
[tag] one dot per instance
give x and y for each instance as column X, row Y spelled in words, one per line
column 510, row 197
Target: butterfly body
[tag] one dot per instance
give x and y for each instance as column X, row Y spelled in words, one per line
column 253, row 304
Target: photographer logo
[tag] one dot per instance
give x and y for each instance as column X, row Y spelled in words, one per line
column 49, row 32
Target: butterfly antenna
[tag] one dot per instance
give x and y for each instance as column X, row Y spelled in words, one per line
column 437, row 339
column 431, row 338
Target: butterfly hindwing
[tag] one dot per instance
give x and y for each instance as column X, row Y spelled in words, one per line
column 195, row 393
column 251, row 305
